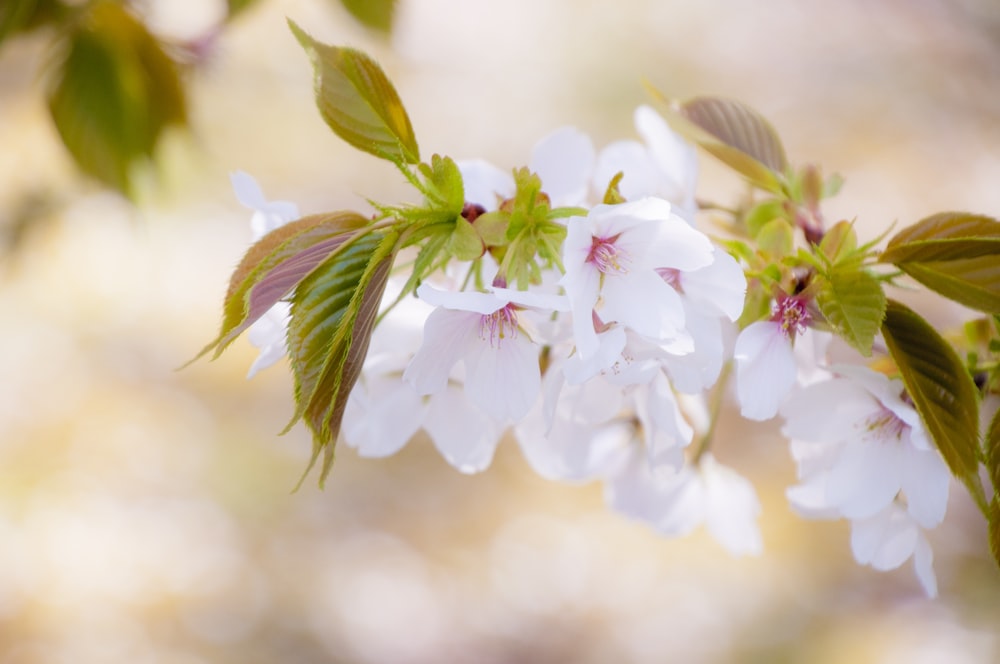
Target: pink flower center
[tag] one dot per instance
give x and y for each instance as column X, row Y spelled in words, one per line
column 672, row 276
column 499, row 325
column 885, row 425
column 607, row 256
column 793, row 315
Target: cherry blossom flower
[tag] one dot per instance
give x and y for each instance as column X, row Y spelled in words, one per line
column 765, row 363
column 484, row 332
column 665, row 165
column 863, row 454
column 268, row 332
column 676, row 502
column 611, row 258
column 891, row 537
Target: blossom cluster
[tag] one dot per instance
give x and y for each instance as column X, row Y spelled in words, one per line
column 612, row 365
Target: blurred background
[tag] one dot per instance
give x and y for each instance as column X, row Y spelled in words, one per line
column 146, row 514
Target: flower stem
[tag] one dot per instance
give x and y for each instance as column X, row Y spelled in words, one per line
column 715, row 409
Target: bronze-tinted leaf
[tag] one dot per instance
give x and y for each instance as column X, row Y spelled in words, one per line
column 113, row 94
column 738, row 126
column 375, row 14
column 333, row 315
column 941, row 388
column 358, row 101
column 945, row 236
column 274, row 265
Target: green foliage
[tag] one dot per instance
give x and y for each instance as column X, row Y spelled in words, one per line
column 17, row 16
column 776, row 238
column 955, row 254
column 333, row 315
column 358, row 101
column 840, row 243
column 276, row 264
column 762, row 214
column 735, row 134
column 113, row 94
column 853, row 302
column 991, row 448
column 534, row 239
column 942, row 391
column 375, row 14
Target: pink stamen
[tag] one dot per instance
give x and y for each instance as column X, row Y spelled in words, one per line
column 607, row 256
column 499, row 325
column 793, row 315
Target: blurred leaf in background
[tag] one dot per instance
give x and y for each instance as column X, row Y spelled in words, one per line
column 113, row 93
column 375, row 14
column 18, row 16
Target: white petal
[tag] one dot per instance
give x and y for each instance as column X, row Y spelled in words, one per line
column 386, row 413
column 533, row 299
column 677, row 160
column 925, row 482
column 269, row 333
column 503, row 380
column 719, row 286
column 464, row 436
column 447, row 336
column 632, row 159
column 665, row 429
column 884, row 540
column 827, row 411
column 484, row 183
column 731, row 508
column 247, row 191
column 481, row 303
column 564, row 160
column 579, row 369
column 643, row 302
column 923, row 565
column 765, row 369
column 866, row 477
column 698, row 370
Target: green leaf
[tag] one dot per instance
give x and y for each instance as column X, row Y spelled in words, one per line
column 235, row 7
column 736, row 135
column 275, row 265
column 445, row 189
column 464, row 242
column 113, row 94
column 974, row 282
column 333, row 315
column 776, row 238
column 953, row 253
column 994, row 530
column 945, row 236
column 763, row 213
column 18, row 16
column 853, row 302
column 375, row 14
column 840, row 242
column 992, row 453
column 941, row 388
column 358, row 101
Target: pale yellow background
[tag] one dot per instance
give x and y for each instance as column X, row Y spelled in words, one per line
column 146, row 514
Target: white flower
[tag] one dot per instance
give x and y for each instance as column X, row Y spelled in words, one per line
column 765, row 362
column 863, row 454
column 665, row 165
column 611, row 258
column 269, row 331
column 858, row 445
column 483, row 331
column 888, row 539
column 675, row 502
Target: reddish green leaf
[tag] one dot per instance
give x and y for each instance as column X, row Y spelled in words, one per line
column 941, row 388
column 358, row 101
column 736, row 135
column 946, row 236
column 974, row 282
column 273, row 266
column 113, row 94
column 333, row 315
column 853, row 302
